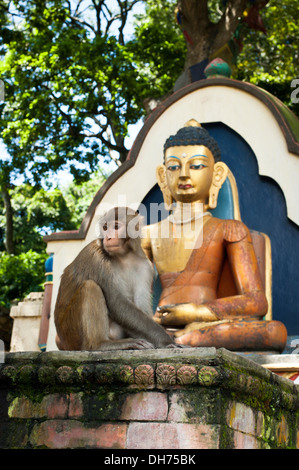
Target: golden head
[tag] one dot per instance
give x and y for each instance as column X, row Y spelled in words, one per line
column 192, row 170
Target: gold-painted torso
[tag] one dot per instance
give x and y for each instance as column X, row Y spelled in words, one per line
column 171, row 244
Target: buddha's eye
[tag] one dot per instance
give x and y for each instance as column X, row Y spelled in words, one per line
column 197, row 166
column 173, row 167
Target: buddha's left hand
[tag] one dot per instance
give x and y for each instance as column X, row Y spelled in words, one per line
column 182, row 314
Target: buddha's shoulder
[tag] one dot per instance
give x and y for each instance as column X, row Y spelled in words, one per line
column 232, row 230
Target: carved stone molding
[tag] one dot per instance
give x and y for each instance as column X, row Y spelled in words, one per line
column 151, row 369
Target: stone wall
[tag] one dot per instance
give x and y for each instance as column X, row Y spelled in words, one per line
column 199, row 398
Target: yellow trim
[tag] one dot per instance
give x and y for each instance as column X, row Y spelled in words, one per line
column 235, row 194
column 268, row 276
column 281, row 367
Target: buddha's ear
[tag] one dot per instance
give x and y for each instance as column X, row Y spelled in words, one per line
column 219, row 176
column 162, row 182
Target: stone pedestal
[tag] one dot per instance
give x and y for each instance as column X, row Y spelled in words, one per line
column 199, row 398
column 26, row 325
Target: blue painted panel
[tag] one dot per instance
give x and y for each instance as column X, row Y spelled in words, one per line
column 225, row 203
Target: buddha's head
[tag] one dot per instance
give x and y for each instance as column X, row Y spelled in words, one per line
column 192, row 170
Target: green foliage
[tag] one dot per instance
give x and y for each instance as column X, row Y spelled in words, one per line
column 158, row 47
column 41, row 212
column 74, row 85
column 66, row 82
column 74, row 82
column 37, row 213
column 20, row 275
column 271, row 60
column 79, row 196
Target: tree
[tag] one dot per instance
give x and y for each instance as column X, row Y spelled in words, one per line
column 36, row 213
column 76, row 80
column 207, row 26
column 79, row 196
column 5, row 187
column 271, row 60
column 71, row 84
column 159, row 50
column 69, row 94
column 20, row 275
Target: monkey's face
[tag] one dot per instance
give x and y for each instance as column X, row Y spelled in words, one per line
column 114, row 237
column 117, row 229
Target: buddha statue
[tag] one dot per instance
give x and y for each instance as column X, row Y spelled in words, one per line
column 190, row 246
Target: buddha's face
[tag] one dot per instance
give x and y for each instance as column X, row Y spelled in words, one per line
column 189, row 172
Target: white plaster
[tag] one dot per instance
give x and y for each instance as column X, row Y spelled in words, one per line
column 26, row 321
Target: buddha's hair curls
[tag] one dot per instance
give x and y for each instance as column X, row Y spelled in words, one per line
column 192, row 135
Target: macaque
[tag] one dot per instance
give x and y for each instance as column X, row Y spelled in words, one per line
column 104, row 298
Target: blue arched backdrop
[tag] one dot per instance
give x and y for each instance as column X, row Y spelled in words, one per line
column 263, row 208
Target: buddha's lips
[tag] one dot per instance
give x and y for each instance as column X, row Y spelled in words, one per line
column 185, row 186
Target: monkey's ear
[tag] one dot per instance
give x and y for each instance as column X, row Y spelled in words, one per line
column 99, row 227
column 141, row 220
column 162, row 182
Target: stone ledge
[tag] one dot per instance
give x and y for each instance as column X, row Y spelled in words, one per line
column 150, row 369
column 156, row 399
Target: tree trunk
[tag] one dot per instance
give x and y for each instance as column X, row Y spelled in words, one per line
column 203, row 37
column 9, row 244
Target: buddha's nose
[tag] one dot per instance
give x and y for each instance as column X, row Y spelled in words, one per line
column 185, row 173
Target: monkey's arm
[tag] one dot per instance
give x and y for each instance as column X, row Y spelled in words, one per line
column 136, row 323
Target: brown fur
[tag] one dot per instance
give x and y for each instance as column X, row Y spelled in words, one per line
column 105, row 293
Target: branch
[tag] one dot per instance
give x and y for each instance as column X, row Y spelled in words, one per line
column 77, row 7
column 98, row 9
column 100, row 135
column 76, row 19
column 124, row 9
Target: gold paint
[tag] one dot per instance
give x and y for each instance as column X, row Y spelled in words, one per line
column 171, row 244
column 268, row 277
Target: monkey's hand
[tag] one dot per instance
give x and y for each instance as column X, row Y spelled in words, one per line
column 139, row 343
column 182, row 314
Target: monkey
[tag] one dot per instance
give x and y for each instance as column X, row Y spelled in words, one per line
column 104, row 298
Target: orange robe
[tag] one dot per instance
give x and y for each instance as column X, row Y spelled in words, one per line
column 244, row 328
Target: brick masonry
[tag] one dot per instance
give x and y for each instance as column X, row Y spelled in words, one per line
column 199, row 398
